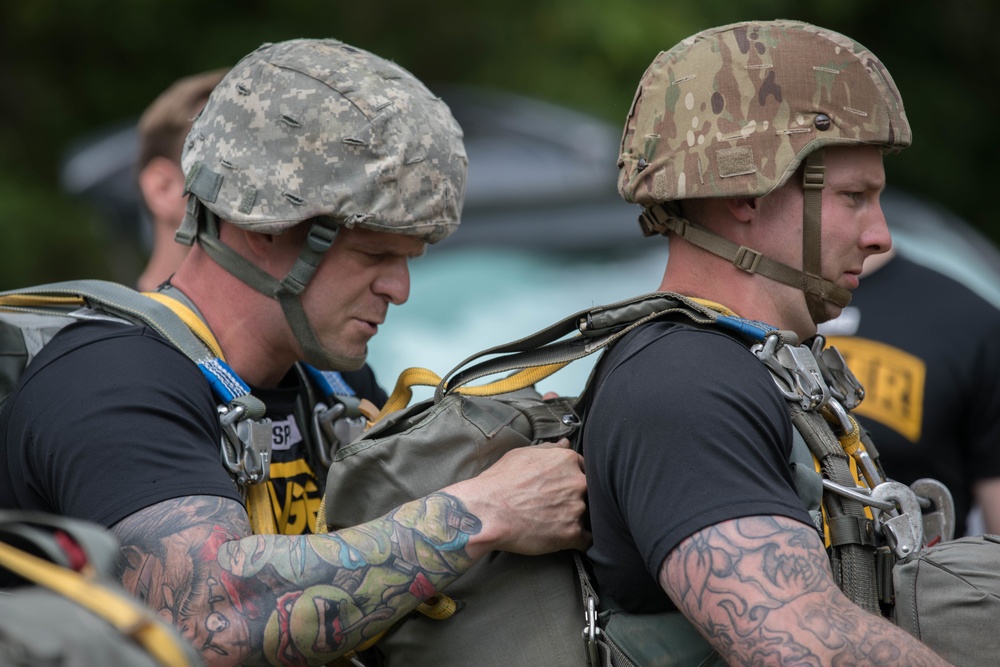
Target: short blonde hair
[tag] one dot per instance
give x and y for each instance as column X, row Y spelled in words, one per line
column 165, row 123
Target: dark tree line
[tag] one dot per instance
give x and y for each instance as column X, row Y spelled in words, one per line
column 72, row 67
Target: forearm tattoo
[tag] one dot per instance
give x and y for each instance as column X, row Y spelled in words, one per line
column 288, row 600
column 761, row 590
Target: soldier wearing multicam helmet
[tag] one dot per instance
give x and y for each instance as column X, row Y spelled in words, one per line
column 316, row 171
column 757, row 149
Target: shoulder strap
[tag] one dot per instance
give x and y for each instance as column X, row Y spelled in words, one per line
column 595, row 329
column 246, row 447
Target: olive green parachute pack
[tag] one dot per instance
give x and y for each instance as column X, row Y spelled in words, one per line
column 60, row 606
column 511, row 609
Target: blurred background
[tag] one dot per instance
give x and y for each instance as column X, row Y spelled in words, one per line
column 541, row 87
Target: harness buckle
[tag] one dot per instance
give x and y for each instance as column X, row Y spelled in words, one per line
column 795, row 371
column 335, row 426
column 843, row 383
column 592, row 632
column 939, row 515
column 904, row 532
column 245, row 446
column 747, row 259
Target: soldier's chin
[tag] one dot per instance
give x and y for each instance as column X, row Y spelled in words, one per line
column 333, row 361
column 831, row 311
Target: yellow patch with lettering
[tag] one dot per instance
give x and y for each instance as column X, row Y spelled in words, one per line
column 295, row 512
column 893, row 380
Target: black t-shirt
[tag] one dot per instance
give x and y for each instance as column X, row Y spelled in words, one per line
column 110, row 418
column 927, row 350
column 685, row 429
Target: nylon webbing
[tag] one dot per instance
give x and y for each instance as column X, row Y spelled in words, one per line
column 597, row 327
column 193, row 322
column 813, row 181
column 853, row 562
column 423, row 377
column 127, row 617
column 125, row 302
column 658, row 219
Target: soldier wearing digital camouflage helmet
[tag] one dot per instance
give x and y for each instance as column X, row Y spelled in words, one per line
column 757, row 149
column 316, row 171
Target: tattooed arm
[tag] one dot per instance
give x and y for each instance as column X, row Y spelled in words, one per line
column 760, row 589
column 297, row 600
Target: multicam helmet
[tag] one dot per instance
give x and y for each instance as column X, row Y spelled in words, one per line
column 734, row 111
column 316, row 130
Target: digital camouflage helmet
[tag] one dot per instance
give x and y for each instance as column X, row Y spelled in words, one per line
column 316, row 131
column 734, row 111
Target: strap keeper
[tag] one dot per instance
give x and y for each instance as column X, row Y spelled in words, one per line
column 188, row 229
column 814, row 177
column 747, row 259
column 321, row 237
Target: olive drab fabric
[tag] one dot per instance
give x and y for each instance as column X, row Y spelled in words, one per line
column 732, row 111
column 60, row 605
column 313, row 127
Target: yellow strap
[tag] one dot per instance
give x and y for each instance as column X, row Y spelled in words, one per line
column 259, row 510
column 27, row 300
column 411, row 377
column 193, row 322
column 438, row 607
column 718, row 307
column 126, row 616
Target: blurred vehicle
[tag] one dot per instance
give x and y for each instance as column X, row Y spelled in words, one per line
column 544, row 234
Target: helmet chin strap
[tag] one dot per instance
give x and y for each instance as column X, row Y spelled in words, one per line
column 203, row 224
column 817, row 290
column 660, row 219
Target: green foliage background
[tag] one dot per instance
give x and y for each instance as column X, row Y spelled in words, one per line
column 70, row 67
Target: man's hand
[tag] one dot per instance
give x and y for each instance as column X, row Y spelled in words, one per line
column 532, row 501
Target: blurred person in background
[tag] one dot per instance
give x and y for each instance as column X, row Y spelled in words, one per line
column 161, row 131
column 926, row 348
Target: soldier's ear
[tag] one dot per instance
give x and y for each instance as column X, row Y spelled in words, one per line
column 743, row 209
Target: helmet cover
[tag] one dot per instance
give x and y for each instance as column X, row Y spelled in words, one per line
column 732, row 111
column 312, row 127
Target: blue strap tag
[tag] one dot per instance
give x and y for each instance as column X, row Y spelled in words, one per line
column 331, row 383
column 750, row 328
column 226, row 384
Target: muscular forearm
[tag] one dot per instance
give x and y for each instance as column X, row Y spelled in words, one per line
column 284, row 599
column 248, row 599
column 761, row 591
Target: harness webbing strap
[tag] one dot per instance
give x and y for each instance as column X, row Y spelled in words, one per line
column 193, row 322
column 124, row 302
column 413, row 377
column 814, row 286
column 596, row 329
column 658, row 219
column 853, row 561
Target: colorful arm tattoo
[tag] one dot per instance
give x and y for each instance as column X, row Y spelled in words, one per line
column 288, row 600
column 761, row 590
